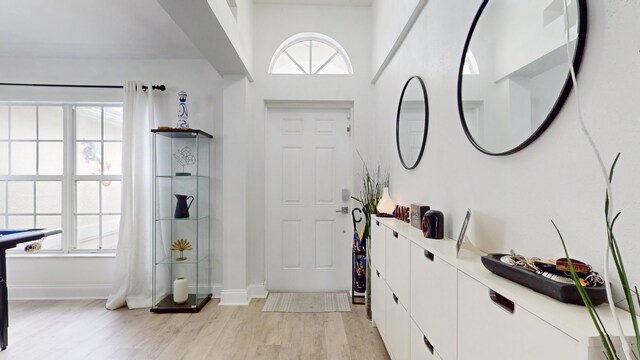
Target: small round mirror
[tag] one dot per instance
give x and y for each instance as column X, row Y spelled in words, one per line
column 514, row 74
column 412, row 122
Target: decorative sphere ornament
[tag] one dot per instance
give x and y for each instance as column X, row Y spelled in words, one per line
column 183, row 113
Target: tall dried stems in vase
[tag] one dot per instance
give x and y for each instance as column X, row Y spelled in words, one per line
column 370, row 194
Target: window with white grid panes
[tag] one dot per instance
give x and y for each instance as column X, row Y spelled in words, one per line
column 44, row 185
column 97, row 176
column 32, row 169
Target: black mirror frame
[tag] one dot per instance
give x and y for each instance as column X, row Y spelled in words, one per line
column 426, row 122
column 560, row 100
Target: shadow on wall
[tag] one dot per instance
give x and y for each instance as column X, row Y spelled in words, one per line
column 488, row 232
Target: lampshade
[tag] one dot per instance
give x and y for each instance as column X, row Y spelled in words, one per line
column 386, row 205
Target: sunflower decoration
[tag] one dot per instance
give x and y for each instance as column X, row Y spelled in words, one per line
column 181, row 245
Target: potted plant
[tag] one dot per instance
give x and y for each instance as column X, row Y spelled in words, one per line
column 370, row 194
column 612, row 250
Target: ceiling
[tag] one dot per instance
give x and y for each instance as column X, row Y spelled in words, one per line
column 129, row 29
column 122, row 29
column 318, row 2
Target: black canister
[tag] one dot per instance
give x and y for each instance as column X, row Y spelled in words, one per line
column 433, row 224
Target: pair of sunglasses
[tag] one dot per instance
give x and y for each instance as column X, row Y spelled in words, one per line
column 579, row 266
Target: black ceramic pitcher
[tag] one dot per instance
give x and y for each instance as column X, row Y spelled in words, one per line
column 182, row 207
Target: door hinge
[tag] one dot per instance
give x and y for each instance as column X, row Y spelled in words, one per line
column 349, row 129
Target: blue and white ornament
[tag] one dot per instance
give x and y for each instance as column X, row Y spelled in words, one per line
column 183, row 114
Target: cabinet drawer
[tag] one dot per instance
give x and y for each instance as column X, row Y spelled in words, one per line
column 434, row 295
column 378, row 298
column 398, row 269
column 377, row 248
column 500, row 329
column 421, row 347
column 398, row 328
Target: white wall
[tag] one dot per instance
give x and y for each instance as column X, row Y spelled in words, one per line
column 234, row 194
column 389, row 20
column 238, row 26
column 274, row 23
column 37, row 276
column 244, row 19
column 513, row 198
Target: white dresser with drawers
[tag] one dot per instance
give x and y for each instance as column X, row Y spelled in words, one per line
column 429, row 304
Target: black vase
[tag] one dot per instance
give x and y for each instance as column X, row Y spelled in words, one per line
column 433, row 224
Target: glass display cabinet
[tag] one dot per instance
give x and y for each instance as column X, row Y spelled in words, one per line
column 182, row 223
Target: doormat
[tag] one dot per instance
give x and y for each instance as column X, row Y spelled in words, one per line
column 307, row 302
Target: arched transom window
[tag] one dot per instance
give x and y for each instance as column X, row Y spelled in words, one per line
column 470, row 66
column 310, row 53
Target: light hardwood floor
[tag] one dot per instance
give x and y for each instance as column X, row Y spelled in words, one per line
column 84, row 329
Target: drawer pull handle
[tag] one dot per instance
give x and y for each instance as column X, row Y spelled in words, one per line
column 377, row 223
column 378, row 273
column 504, row 303
column 428, row 254
column 395, row 298
column 395, row 234
column 428, row 344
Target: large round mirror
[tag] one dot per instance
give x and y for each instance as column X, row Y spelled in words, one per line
column 412, row 122
column 514, row 74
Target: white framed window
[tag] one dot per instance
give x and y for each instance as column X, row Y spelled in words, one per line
column 310, row 54
column 60, row 166
column 97, row 176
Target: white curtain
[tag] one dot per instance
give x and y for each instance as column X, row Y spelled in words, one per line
column 132, row 280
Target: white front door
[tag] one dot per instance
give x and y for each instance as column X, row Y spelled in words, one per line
column 308, row 165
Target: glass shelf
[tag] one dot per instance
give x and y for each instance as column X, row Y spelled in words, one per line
column 183, row 177
column 171, row 260
column 183, row 219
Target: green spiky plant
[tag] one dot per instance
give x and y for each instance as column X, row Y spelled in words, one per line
column 609, row 348
column 612, row 250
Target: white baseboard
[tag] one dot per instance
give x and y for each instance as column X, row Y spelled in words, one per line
column 63, row 292
column 242, row 296
column 216, row 290
column 234, row 297
column 58, row 292
column 257, row 291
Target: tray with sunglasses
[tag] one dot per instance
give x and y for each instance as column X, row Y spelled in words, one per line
column 564, row 292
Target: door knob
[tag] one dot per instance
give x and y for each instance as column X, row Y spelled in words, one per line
column 343, row 210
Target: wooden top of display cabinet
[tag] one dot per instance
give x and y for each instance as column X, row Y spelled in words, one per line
column 180, row 132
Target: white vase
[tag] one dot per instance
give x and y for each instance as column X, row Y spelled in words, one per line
column 385, row 204
column 180, row 290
